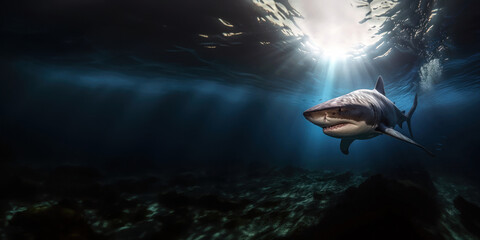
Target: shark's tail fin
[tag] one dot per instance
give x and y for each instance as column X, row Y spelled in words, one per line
column 410, row 113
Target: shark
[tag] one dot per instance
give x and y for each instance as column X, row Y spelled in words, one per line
column 360, row 115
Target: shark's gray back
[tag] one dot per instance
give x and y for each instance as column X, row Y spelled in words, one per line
column 384, row 110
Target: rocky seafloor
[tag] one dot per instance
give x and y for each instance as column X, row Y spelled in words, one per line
column 75, row 202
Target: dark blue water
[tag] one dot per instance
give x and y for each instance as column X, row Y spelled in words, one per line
column 166, row 90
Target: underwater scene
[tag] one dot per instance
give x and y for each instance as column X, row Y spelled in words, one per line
column 240, row 119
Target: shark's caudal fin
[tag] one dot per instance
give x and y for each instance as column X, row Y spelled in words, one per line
column 410, row 113
column 379, row 85
column 391, row 132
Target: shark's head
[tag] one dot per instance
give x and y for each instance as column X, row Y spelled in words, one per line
column 343, row 117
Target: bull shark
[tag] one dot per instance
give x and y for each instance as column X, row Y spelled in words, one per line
column 362, row 114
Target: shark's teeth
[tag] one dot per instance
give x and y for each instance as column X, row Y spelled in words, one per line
column 335, row 126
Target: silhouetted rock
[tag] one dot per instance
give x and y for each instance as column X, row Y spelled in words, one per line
column 74, row 181
column 174, row 225
column 20, row 183
column 217, row 203
column 142, row 231
column 270, row 204
column 75, row 174
column 469, row 215
column 320, row 195
column 344, row 177
column 378, row 209
column 341, row 178
column 176, row 200
column 112, row 205
column 367, row 174
column 414, row 174
column 62, row 221
column 185, row 179
column 18, row 188
column 134, row 185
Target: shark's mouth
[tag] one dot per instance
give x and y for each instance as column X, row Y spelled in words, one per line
column 333, row 127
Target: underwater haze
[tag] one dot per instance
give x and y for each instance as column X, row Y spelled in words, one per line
column 184, row 119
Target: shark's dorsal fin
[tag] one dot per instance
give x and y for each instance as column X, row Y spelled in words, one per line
column 379, row 85
column 392, row 132
column 345, row 144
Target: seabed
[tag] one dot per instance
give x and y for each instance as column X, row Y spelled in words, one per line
column 75, row 202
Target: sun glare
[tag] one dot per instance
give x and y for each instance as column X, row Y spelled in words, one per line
column 333, row 26
column 335, row 52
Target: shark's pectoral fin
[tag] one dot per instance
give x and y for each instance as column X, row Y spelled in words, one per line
column 345, row 144
column 392, row 132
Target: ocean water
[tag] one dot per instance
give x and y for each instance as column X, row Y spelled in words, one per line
column 183, row 120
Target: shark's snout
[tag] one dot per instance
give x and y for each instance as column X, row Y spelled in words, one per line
column 314, row 116
column 318, row 114
column 320, row 118
column 308, row 115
